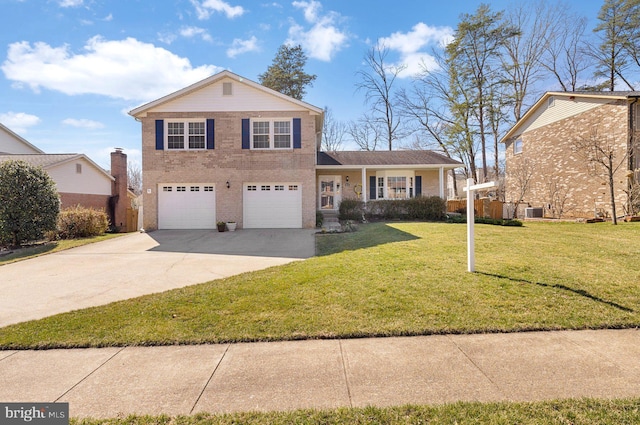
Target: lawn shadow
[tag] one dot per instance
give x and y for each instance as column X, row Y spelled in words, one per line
column 26, row 251
column 367, row 236
column 580, row 292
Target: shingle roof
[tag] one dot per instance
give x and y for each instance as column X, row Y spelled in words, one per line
column 377, row 158
column 41, row 160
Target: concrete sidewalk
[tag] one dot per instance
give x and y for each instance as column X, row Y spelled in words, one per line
column 174, row 380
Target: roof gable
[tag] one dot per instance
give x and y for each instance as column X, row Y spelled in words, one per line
column 207, row 95
column 51, row 161
column 11, row 143
column 556, row 106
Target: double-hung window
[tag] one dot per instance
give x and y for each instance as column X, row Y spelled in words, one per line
column 186, row 135
column 397, row 187
column 517, row 146
column 271, row 134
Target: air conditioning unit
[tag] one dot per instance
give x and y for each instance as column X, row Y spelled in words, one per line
column 534, row 212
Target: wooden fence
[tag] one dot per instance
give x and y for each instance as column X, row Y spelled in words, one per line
column 483, row 207
column 132, row 220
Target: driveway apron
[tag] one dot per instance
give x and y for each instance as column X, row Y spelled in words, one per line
column 139, row 264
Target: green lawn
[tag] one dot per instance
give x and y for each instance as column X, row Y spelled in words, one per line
column 385, row 279
column 583, row 412
column 51, row 247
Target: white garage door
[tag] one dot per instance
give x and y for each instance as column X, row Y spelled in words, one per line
column 186, row 206
column 272, row 205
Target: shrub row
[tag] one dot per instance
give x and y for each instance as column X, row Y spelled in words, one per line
column 81, row 222
column 429, row 208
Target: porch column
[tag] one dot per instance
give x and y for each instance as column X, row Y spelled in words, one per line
column 442, row 183
column 364, row 185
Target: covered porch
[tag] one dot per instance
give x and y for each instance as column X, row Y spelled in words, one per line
column 368, row 176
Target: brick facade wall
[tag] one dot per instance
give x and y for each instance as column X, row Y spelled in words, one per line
column 99, row 202
column 228, row 162
column 562, row 181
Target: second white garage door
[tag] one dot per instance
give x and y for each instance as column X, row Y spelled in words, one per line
column 272, row 205
column 186, row 206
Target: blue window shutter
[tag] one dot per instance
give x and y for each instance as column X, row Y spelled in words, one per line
column 372, row 187
column 159, row 135
column 246, row 134
column 418, row 186
column 297, row 133
column 211, row 143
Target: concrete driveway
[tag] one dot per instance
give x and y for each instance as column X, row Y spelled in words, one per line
column 139, row 264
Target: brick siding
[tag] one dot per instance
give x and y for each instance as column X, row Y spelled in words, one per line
column 562, row 179
column 228, row 162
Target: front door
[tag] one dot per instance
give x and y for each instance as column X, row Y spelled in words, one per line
column 329, row 190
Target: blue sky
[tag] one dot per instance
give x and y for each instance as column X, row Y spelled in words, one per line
column 70, row 70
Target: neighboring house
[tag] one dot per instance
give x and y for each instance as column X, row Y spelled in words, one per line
column 229, row 149
column 544, row 159
column 11, row 143
column 79, row 180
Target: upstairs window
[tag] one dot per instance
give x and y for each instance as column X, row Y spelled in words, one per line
column 271, row 134
column 517, row 146
column 186, row 135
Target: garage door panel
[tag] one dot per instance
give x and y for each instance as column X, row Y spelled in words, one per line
column 272, row 205
column 186, row 206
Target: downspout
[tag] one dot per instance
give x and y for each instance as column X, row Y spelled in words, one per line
column 631, row 150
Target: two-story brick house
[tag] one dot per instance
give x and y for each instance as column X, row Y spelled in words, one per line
column 229, row 149
column 546, row 158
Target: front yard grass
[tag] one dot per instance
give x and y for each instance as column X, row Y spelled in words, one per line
column 582, row 411
column 51, row 247
column 392, row 279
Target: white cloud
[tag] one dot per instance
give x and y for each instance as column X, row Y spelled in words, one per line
column 190, row 32
column 311, row 9
column 108, row 18
column 124, row 69
column 70, row 3
column 205, row 8
column 18, row 122
column 324, row 38
column 410, row 46
column 240, row 46
column 83, row 123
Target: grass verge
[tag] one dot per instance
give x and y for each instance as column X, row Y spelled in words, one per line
column 384, row 280
column 582, row 411
column 51, row 247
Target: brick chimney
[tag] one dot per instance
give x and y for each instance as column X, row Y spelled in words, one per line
column 119, row 199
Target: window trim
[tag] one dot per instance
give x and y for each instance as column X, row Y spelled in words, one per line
column 517, row 146
column 383, row 177
column 272, row 134
column 185, row 133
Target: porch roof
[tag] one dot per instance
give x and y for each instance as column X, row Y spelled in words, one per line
column 415, row 158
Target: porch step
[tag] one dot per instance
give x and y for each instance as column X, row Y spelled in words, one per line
column 330, row 222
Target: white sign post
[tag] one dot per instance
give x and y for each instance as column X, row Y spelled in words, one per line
column 471, row 219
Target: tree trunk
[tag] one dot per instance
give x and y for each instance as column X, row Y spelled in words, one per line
column 612, row 191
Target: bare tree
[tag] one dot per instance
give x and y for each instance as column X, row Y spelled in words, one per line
column 521, row 176
column 377, row 83
column 134, row 177
column 522, row 61
column 366, row 133
column 600, row 150
column 333, row 132
column 565, row 56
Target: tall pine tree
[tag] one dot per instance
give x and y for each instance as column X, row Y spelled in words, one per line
column 286, row 74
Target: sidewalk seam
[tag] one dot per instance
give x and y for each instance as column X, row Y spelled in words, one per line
column 475, row 364
column 344, row 371
column 91, row 373
column 209, row 380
